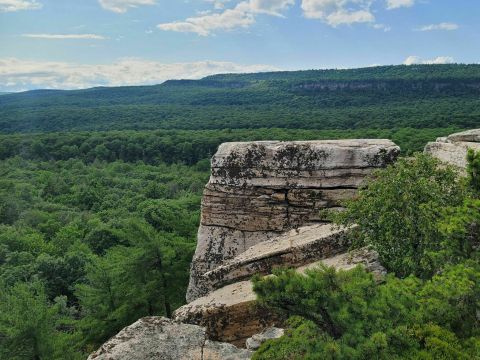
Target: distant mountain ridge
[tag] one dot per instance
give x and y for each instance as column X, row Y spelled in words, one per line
column 374, row 97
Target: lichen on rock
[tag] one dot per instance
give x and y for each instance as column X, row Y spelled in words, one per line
column 260, row 190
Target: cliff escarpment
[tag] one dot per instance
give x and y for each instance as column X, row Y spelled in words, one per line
column 261, row 209
column 259, row 190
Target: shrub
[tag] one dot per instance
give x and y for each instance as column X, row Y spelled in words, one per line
column 347, row 315
column 399, row 213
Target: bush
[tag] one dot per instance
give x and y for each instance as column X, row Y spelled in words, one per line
column 399, row 213
column 346, row 315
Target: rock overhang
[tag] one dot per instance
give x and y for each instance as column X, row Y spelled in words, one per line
column 278, row 164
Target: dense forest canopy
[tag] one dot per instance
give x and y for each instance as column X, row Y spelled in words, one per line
column 402, row 72
column 420, row 96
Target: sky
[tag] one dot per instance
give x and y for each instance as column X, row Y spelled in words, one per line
column 73, row 44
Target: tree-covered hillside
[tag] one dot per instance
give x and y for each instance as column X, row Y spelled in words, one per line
column 425, row 96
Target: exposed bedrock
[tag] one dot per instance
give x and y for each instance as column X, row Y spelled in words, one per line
column 156, row 338
column 453, row 148
column 260, row 190
column 293, row 249
column 230, row 313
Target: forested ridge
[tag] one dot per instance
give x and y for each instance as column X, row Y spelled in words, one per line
column 100, row 201
column 424, row 96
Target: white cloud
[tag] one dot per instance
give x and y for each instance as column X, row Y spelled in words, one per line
column 242, row 15
column 16, row 74
column 65, row 36
column 122, row 6
column 395, row 4
column 271, row 7
column 412, row 60
column 442, row 26
column 339, row 12
column 17, row 5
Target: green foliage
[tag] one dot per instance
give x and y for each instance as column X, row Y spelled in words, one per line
column 32, row 327
column 147, row 277
column 81, row 235
column 346, row 315
column 399, row 213
column 473, row 169
column 180, row 146
column 461, row 226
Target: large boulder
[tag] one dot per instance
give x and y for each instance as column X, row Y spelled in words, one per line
column 156, row 338
column 260, row 190
column 453, row 149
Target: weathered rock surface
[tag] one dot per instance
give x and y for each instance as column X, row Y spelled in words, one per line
column 260, row 190
column 292, row 249
column 156, row 338
column 366, row 257
column 453, row 148
column 230, row 314
column 465, row 136
column 257, row 340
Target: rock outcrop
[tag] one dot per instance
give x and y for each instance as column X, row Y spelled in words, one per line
column 260, row 190
column 453, row 148
column 229, row 314
column 156, row 338
column 261, row 209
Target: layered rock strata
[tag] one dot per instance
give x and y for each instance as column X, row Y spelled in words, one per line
column 229, row 314
column 453, row 148
column 260, row 190
column 294, row 248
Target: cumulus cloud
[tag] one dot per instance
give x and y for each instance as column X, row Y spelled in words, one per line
column 241, row 16
column 244, row 13
column 339, row 12
column 395, row 4
column 442, row 26
column 16, row 74
column 122, row 6
column 17, row 5
column 412, row 60
column 65, row 36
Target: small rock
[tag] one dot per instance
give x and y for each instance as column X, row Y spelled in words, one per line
column 214, row 350
column 257, row 340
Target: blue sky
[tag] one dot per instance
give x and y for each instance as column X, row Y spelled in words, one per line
column 76, row 44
